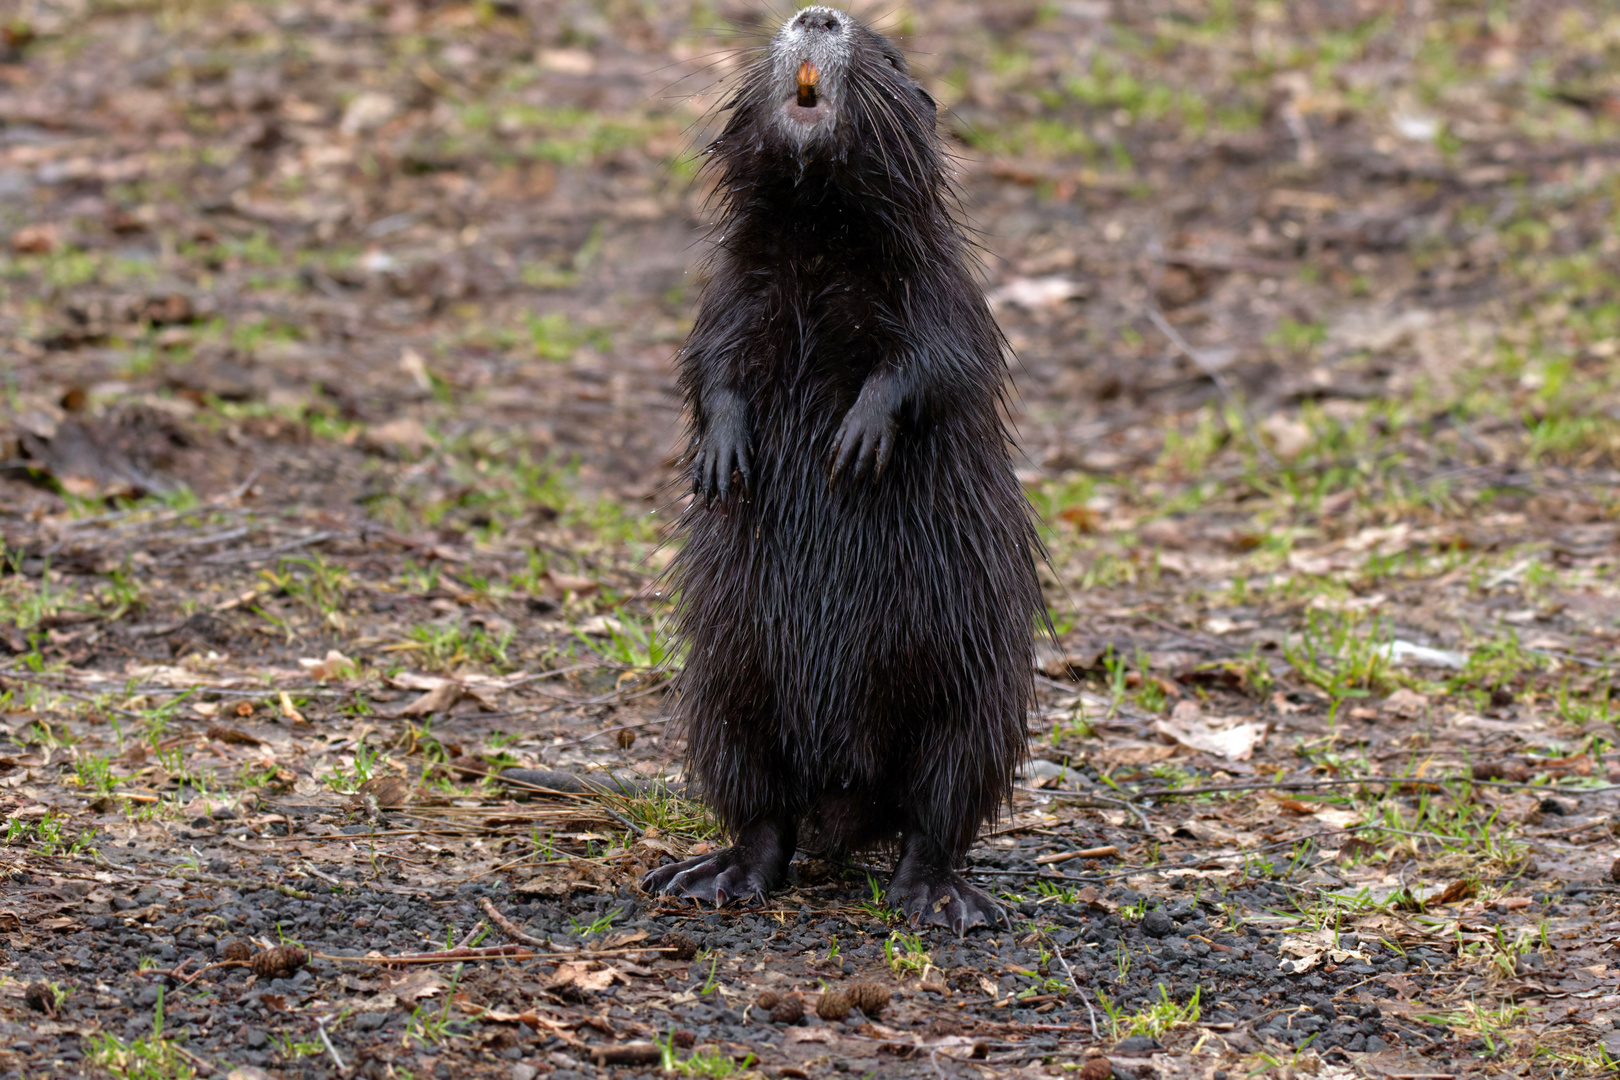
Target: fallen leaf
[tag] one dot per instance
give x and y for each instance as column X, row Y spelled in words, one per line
column 1188, row 726
column 415, row 985
column 221, row 733
column 404, row 435
column 591, row 975
column 437, row 700
column 1461, row 889
column 387, row 791
column 1035, row 293
column 40, row 239
column 334, row 666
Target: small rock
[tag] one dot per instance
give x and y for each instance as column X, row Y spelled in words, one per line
column 524, row 1071
column 370, row 1021
column 1136, row 1046
column 1157, row 924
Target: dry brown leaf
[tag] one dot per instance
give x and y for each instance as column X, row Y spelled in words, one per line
column 221, row 733
column 591, row 975
column 334, row 666
column 437, row 700
column 387, row 791
column 1462, row 889
column 414, row 985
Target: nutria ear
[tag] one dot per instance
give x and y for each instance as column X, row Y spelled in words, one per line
column 928, row 99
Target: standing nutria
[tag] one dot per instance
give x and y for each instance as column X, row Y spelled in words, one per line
column 858, row 593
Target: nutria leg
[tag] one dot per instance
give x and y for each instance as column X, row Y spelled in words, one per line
column 747, row 870
column 929, row 893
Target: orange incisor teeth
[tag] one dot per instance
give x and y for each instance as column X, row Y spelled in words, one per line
column 808, row 77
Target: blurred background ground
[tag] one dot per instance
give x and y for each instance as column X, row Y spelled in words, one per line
column 347, row 328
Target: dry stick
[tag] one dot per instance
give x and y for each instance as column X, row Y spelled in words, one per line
column 1084, row 853
column 1308, row 785
column 487, row 952
column 609, row 731
column 507, row 926
column 1067, row 970
column 1097, row 802
column 1186, row 864
column 467, row 941
column 232, row 558
column 320, row 1025
column 217, row 502
column 1215, row 376
column 174, row 972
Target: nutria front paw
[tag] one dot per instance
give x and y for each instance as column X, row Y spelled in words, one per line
column 723, row 451
column 720, row 878
column 935, row 896
column 865, row 439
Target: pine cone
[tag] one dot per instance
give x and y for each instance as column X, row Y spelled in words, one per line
column 1097, row 1068
column 790, row 1010
column 869, row 997
column 834, row 1005
column 685, row 948
column 281, row 962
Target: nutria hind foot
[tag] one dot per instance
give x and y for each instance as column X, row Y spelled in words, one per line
column 747, row 870
column 929, row 893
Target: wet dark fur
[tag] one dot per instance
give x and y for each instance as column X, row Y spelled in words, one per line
column 859, row 646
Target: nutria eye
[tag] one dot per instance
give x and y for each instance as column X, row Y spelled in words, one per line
column 893, row 62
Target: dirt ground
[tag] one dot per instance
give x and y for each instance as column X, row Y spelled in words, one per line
column 338, row 435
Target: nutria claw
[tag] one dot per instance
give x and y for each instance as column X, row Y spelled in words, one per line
column 943, row 898
column 723, row 449
column 715, row 463
column 746, row 870
column 717, row 879
column 865, row 440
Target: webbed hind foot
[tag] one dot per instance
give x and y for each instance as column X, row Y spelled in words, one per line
column 748, row 870
column 929, row 893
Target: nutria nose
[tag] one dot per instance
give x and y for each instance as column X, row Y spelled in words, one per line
column 816, row 21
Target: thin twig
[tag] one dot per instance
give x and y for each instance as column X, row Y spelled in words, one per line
column 320, row 1025
column 507, row 926
column 487, row 952
column 1100, row 802
column 1217, row 377
column 1309, row 785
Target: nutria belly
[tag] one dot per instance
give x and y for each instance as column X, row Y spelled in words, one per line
column 861, row 656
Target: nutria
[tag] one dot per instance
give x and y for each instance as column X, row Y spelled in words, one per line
column 857, row 587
